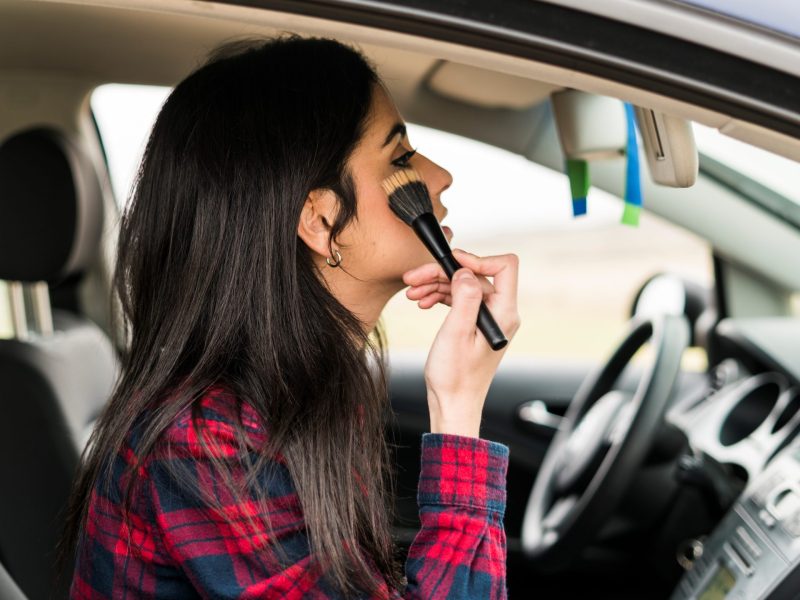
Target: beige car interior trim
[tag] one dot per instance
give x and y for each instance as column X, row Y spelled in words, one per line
column 260, row 21
column 485, row 88
column 668, row 143
column 590, row 127
column 700, row 27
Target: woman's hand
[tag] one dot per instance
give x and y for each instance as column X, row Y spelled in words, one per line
column 461, row 364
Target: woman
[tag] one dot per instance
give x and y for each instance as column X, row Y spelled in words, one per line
column 243, row 452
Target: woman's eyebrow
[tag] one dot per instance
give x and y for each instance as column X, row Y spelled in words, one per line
column 396, row 128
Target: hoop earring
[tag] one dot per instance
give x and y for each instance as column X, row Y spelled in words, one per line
column 335, row 263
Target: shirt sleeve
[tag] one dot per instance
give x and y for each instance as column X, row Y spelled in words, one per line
column 460, row 551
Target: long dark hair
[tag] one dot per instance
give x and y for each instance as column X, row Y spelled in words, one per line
column 216, row 287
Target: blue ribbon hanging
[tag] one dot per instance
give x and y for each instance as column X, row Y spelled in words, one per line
column 633, row 183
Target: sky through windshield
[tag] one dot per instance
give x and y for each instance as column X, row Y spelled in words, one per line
column 782, row 16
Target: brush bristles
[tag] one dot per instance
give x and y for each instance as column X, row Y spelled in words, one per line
column 408, row 195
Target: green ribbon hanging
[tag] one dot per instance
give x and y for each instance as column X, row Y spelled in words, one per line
column 578, row 173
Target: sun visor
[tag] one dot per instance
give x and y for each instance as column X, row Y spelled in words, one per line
column 590, row 127
column 486, row 88
column 669, row 145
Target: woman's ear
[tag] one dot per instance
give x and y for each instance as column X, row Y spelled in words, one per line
column 316, row 218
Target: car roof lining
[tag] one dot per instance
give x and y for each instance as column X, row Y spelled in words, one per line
column 485, row 88
column 158, row 42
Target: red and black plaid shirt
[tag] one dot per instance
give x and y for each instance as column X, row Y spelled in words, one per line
column 173, row 547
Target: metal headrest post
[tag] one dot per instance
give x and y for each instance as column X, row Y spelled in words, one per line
column 40, row 304
column 16, row 300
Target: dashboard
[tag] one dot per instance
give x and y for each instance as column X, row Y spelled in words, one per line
column 747, row 424
column 755, row 551
column 743, row 416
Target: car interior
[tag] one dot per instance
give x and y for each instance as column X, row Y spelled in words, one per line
column 652, row 455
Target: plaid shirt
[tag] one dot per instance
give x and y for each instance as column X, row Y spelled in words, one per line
column 171, row 547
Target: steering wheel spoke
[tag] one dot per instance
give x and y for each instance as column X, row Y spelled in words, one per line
column 602, row 442
column 559, row 512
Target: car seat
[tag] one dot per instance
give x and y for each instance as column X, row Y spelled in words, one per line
column 58, row 371
column 9, row 589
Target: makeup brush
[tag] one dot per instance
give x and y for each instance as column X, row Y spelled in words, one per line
column 409, row 200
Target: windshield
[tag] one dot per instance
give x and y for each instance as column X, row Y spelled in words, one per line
column 779, row 16
column 742, row 162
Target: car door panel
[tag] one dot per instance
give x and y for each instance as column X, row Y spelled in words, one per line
column 517, row 382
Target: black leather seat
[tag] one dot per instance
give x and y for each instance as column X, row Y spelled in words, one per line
column 53, row 385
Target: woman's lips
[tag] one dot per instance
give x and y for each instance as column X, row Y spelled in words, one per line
column 448, row 233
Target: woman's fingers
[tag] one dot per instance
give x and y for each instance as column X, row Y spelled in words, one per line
column 434, row 299
column 429, row 285
column 430, row 277
column 467, row 296
column 426, row 273
column 443, row 287
column 504, row 271
column 502, row 268
column 420, row 291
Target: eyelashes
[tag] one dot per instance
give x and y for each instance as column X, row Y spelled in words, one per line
column 402, row 161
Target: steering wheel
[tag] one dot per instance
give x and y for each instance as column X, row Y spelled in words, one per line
column 600, row 443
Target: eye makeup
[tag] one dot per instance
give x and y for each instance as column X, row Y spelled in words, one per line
column 402, row 160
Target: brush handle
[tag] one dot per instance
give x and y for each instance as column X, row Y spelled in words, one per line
column 430, row 232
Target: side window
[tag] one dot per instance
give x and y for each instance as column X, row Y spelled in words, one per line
column 756, row 165
column 125, row 115
column 578, row 276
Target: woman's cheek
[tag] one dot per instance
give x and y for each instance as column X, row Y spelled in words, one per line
column 394, row 249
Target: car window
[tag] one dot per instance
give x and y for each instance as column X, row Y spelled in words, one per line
column 775, row 172
column 578, row 277
column 125, row 115
column 773, row 15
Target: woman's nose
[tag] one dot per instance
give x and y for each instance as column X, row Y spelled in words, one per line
column 437, row 177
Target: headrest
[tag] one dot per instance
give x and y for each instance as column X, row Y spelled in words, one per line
column 51, row 208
